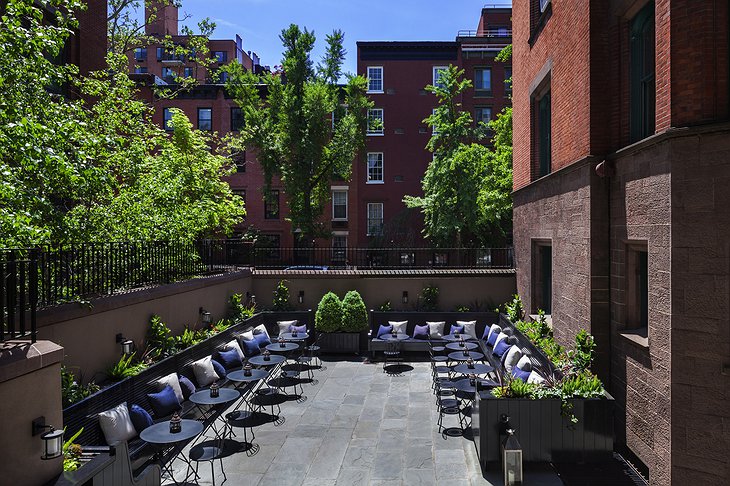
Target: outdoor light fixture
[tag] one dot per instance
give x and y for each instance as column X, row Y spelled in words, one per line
column 405, row 296
column 204, row 316
column 52, row 440
column 511, row 454
column 301, row 296
column 127, row 344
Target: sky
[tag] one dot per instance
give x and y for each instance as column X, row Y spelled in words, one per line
column 259, row 22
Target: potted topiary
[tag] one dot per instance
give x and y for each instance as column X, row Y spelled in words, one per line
column 328, row 321
column 355, row 316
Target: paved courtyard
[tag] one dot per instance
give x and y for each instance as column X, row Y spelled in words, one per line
column 359, row 426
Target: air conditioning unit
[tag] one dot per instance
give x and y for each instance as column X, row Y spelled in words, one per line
column 544, row 4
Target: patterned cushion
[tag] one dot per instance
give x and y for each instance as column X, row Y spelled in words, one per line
column 399, row 326
column 470, row 327
column 436, row 329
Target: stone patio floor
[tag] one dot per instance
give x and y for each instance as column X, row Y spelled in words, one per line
column 360, row 426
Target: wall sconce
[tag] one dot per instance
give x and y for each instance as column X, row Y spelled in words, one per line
column 127, row 344
column 52, row 440
column 405, row 296
column 301, row 296
column 204, row 316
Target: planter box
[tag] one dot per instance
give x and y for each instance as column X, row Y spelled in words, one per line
column 340, row 342
column 544, row 434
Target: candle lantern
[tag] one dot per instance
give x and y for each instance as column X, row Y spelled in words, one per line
column 267, row 355
column 281, row 342
column 214, row 390
column 247, row 369
column 175, row 423
column 511, row 459
column 470, row 363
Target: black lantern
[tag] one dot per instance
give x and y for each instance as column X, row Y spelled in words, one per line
column 301, row 296
column 204, row 316
column 267, row 355
column 470, row 363
column 281, row 342
column 214, row 390
column 511, row 459
column 247, row 369
column 127, row 344
column 175, row 423
column 52, row 440
column 405, row 296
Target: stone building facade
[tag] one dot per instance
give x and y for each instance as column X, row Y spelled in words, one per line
column 621, row 224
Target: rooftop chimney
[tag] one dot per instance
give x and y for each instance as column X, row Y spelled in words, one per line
column 165, row 18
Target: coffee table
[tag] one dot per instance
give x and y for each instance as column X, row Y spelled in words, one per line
column 394, row 337
column 451, row 337
column 160, row 437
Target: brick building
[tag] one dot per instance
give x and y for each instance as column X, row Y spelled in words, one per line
column 621, row 217
column 396, row 157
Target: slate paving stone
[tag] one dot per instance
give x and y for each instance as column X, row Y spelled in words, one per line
column 419, row 477
column 353, row 477
column 387, row 466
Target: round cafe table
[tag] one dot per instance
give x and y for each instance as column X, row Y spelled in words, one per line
column 479, row 369
column 459, row 355
column 281, row 347
column 457, row 346
column 451, row 337
column 394, row 337
column 301, row 336
column 203, row 399
column 274, row 359
column 161, row 438
column 465, row 385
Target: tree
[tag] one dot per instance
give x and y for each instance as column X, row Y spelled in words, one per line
column 288, row 121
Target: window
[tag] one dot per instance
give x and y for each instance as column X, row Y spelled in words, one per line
column 541, row 131
column 188, row 72
column 434, row 130
column 542, row 273
column 140, row 54
column 642, row 72
column 437, row 72
column 271, row 205
column 407, row 258
column 375, row 79
column 205, row 119
column 375, row 168
column 220, row 56
column 483, row 82
column 140, row 70
column 167, row 119
column 240, row 193
column 339, row 248
column 168, row 74
column 483, row 114
column 270, row 244
column 237, row 121
column 239, row 158
column 339, row 205
column 375, row 219
column 375, row 121
column 160, row 53
column 507, row 81
column 637, row 285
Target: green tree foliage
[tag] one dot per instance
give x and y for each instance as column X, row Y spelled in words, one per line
column 81, row 158
column 354, row 313
column 288, row 121
column 281, row 297
column 328, row 317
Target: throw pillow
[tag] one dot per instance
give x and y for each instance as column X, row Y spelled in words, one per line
column 500, row 337
column 229, row 359
column 233, row 344
column 501, row 347
column 492, row 339
column 248, row 335
column 141, row 419
column 250, row 347
column 489, row 330
column 470, row 327
column 173, row 381
column 511, row 357
column 163, row 403
column 262, row 339
column 260, row 329
column 455, row 327
column 300, row 329
column 384, row 330
column 284, row 326
column 522, row 375
column 420, row 332
column 220, row 370
column 436, row 329
column 116, row 424
column 535, row 378
column 524, row 363
column 204, row 372
column 186, row 386
column 399, row 326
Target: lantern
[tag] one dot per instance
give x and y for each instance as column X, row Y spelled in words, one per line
column 214, row 390
column 127, row 344
column 281, row 342
column 204, row 316
column 267, row 355
column 301, row 296
column 52, row 440
column 511, row 459
column 175, row 423
column 247, row 369
column 405, row 296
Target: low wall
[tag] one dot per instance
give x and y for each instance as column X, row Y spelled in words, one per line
column 487, row 289
column 88, row 334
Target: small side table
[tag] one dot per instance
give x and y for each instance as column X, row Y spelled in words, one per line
column 206, row 403
column 159, row 435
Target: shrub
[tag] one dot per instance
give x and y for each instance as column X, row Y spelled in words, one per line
column 514, row 309
column 159, row 340
column 429, row 298
column 354, row 313
column 328, row 317
column 124, row 368
column 281, row 298
column 582, row 355
column 463, row 308
column 73, row 391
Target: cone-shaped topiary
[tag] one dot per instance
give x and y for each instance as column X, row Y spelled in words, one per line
column 354, row 313
column 329, row 313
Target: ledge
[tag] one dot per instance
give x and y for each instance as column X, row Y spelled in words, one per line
column 18, row 358
column 638, row 337
column 403, row 273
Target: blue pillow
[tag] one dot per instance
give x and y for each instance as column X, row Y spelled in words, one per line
column 300, row 329
column 420, row 332
column 519, row 373
column 492, row 338
column 455, row 328
column 229, row 359
column 262, row 340
column 140, row 418
column 219, row 369
column 165, row 402
column 501, row 348
column 384, row 330
column 186, row 386
column 250, row 347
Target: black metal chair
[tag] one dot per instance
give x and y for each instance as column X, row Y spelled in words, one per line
column 392, row 354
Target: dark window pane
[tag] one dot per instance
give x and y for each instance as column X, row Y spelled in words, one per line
column 271, row 205
column 205, row 118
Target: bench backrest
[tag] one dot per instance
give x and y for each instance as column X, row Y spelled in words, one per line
column 484, row 319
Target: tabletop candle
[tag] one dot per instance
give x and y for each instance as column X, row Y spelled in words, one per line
column 247, row 369
column 267, row 355
column 214, row 390
column 175, row 423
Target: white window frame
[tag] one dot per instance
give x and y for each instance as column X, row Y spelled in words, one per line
column 382, row 218
column 382, row 169
column 347, row 208
column 477, row 108
column 337, row 249
column 382, row 85
column 433, row 125
column 435, row 73
column 483, row 91
column 381, row 132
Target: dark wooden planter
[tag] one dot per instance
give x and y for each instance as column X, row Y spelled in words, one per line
column 544, row 434
column 340, row 342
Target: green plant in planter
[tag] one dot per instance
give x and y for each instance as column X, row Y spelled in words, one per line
column 386, row 306
column 463, row 308
column 72, row 452
column 73, row 391
column 354, row 313
column 281, row 298
column 158, row 337
column 514, row 309
column 429, row 298
column 582, row 355
column 328, row 317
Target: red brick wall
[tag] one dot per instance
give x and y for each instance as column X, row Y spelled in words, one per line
column 89, row 44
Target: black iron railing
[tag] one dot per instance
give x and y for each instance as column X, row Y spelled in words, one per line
column 379, row 258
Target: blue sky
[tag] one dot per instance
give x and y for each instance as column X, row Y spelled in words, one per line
column 259, row 22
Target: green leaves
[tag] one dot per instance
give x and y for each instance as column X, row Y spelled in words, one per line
column 328, row 317
column 354, row 313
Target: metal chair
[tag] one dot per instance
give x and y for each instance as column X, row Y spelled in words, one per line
column 391, row 354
